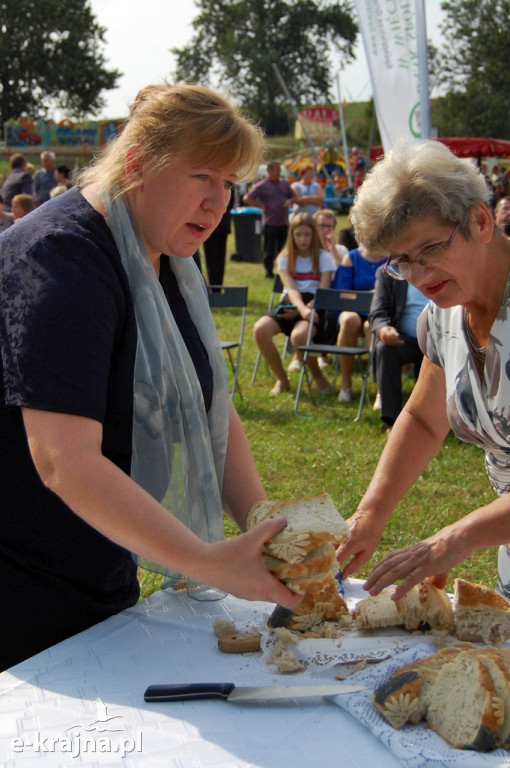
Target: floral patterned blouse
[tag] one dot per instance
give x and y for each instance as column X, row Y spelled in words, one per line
column 478, row 410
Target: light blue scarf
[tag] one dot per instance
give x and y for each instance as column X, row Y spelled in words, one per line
column 178, row 449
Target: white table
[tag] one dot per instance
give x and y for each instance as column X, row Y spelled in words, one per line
column 81, row 702
column 49, row 712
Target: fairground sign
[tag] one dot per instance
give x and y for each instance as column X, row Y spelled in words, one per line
column 27, row 132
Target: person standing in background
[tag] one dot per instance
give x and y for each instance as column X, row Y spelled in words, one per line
column 19, row 181
column 274, row 196
column 44, row 178
column 309, row 193
column 215, row 248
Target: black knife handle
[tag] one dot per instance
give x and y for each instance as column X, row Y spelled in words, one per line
column 185, row 691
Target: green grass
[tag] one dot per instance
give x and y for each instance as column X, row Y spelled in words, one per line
column 323, row 450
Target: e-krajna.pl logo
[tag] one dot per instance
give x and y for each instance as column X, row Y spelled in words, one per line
column 82, row 739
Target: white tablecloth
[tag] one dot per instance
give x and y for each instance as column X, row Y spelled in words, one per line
column 81, row 702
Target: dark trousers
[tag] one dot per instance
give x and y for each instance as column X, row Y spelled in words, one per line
column 215, row 249
column 388, row 373
column 274, row 240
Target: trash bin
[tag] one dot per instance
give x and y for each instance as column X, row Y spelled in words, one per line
column 248, row 232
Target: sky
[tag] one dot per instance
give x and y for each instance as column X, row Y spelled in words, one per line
column 140, row 34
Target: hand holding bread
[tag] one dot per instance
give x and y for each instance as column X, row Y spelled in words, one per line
column 303, row 555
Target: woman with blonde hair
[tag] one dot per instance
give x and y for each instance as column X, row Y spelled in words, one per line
column 303, row 267
column 115, row 394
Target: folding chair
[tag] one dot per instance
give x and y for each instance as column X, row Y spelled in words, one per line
column 333, row 300
column 231, row 297
column 274, row 298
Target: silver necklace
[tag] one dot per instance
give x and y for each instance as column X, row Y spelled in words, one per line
column 480, row 353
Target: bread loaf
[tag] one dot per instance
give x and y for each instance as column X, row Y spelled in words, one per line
column 303, row 556
column 464, row 708
column 462, row 691
column 310, row 522
column 481, row 614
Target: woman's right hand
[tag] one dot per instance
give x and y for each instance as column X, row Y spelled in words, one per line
column 236, row 566
column 361, row 544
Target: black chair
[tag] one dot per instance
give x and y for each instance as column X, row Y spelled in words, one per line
column 337, row 301
column 227, row 297
column 274, row 299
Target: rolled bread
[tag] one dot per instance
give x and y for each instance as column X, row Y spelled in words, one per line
column 481, row 614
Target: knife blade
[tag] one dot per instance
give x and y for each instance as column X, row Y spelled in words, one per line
column 232, row 692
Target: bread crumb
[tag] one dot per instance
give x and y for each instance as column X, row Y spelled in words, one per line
column 222, row 627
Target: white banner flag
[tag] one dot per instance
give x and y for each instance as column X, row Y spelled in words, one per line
column 394, row 39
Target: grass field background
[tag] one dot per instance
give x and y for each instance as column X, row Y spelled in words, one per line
column 323, row 450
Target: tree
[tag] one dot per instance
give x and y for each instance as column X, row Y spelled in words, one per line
column 472, row 68
column 236, row 42
column 50, row 56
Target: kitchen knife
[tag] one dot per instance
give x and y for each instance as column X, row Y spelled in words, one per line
column 231, row 692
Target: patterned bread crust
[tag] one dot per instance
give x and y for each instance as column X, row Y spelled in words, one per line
column 462, row 691
column 320, row 559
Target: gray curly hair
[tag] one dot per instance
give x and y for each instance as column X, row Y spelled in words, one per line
column 411, row 183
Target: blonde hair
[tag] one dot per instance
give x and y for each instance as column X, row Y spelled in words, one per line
column 300, row 220
column 25, row 201
column 327, row 212
column 411, row 183
column 186, row 121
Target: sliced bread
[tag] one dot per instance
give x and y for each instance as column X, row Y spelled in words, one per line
column 377, row 611
column 463, row 692
column 322, row 558
column 423, row 607
column 310, row 522
column 464, row 708
column 426, row 606
column 481, row 614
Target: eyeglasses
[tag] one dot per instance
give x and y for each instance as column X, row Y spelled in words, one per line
column 431, row 256
column 326, row 226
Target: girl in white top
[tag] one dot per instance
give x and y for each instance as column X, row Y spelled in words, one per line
column 303, row 267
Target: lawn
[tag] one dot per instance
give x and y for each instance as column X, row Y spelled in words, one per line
column 323, row 450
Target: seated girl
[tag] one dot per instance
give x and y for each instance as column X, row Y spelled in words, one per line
column 303, row 267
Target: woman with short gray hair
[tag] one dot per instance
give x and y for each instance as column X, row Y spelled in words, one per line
column 430, row 211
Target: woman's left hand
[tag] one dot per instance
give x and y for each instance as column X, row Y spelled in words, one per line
column 431, row 558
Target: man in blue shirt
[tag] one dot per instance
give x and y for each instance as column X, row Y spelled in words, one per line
column 274, row 196
column 395, row 309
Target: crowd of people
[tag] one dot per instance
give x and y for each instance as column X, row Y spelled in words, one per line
column 27, row 187
column 115, row 393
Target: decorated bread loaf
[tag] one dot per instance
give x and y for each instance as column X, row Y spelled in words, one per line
column 303, row 556
column 463, row 692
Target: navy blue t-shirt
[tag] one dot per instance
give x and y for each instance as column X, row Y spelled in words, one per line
column 67, row 343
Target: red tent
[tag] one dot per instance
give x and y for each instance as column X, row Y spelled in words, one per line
column 465, row 148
